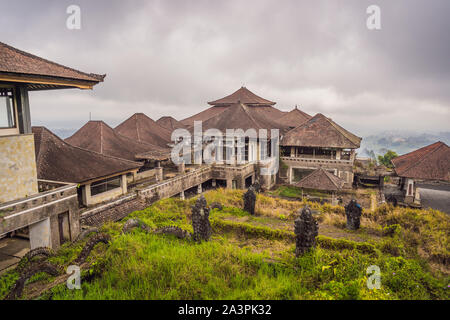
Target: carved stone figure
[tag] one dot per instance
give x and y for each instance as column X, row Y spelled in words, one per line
column 200, row 220
column 353, row 212
column 250, row 201
column 257, row 186
column 306, row 231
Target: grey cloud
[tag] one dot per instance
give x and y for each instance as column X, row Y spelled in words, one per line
column 171, row 57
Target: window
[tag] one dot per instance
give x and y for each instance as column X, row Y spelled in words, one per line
column 105, row 185
column 7, row 112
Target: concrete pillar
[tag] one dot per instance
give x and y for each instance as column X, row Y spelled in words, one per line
column 292, row 152
column 123, row 184
column 159, row 174
column 182, row 197
column 214, row 183
column 86, row 194
column 229, row 184
column 181, row 168
column 253, row 178
column 40, row 234
column 199, row 189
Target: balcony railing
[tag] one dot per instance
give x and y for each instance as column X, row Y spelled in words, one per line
column 17, row 208
column 316, row 160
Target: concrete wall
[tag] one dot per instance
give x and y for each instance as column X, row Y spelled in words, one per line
column 89, row 200
column 18, row 175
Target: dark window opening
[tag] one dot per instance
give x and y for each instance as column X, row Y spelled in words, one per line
column 7, row 110
column 105, row 185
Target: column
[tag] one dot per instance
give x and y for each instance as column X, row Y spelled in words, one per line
column 123, row 184
column 229, row 184
column 199, row 189
column 86, row 194
column 159, row 172
column 214, row 183
column 181, row 168
column 182, row 197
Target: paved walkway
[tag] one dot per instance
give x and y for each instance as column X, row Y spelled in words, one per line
column 435, row 197
column 11, row 251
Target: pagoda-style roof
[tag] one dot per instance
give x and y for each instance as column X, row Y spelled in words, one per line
column 170, row 123
column 294, row 118
column 321, row 179
column 141, row 128
column 41, row 74
column 204, row 115
column 56, row 160
column 99, row 137
column 321, row 132
column 429, row 163
column 245, row 96
column 240, row 116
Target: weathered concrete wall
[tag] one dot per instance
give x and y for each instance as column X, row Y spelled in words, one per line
column 39, row 212
column 18, row 175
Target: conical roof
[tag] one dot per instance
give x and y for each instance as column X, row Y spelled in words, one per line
column 321, row 132
column 56, row 160
column 431, row 163
column 141, row 128
column 243, row 95
column 321, row 179
column 294, row 118
column 99, row 137
column 170, row 123
column 239, row 116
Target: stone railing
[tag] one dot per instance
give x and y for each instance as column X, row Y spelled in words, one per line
column 316, row 160
column 171, row 187
column 15, row 213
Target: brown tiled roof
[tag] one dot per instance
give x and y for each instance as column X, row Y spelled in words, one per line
column 57, row 160
column 321, row 132
column 170, row 123
column 14, row 63
column 99, row 137
column 294, row 118
column 203, row 116
column 321, row 179
column 430, row 163
column 141, row 128
column 243, row 95
column 240, row 116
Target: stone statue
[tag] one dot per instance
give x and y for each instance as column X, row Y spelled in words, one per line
column 250, row 201
column 306, row 231
column 200, row 220
column 353, row 212
column 257, row 186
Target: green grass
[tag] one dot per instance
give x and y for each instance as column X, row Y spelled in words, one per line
column 247, row 260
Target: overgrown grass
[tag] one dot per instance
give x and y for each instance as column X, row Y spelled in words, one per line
column 247, row 260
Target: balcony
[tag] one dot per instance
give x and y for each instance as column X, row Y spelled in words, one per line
column 58, row 199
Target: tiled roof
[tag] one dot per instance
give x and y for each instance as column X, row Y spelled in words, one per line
column 141, row 128
column 294, row 118
column 99, row 137
column 14, row 62
column 240, row 116
column 243, row 95
column 321, row 132
column 321, row 179
column 57, row 160
column 170, row 123
column 430, row 163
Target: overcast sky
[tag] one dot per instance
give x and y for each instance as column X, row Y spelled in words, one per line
column 171, row 57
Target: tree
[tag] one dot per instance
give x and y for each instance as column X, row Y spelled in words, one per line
column 386, row 159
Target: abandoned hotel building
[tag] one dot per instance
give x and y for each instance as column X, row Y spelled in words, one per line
column 51, row 187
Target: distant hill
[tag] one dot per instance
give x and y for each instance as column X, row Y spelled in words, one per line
column 63, row 133
column 400, row 142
